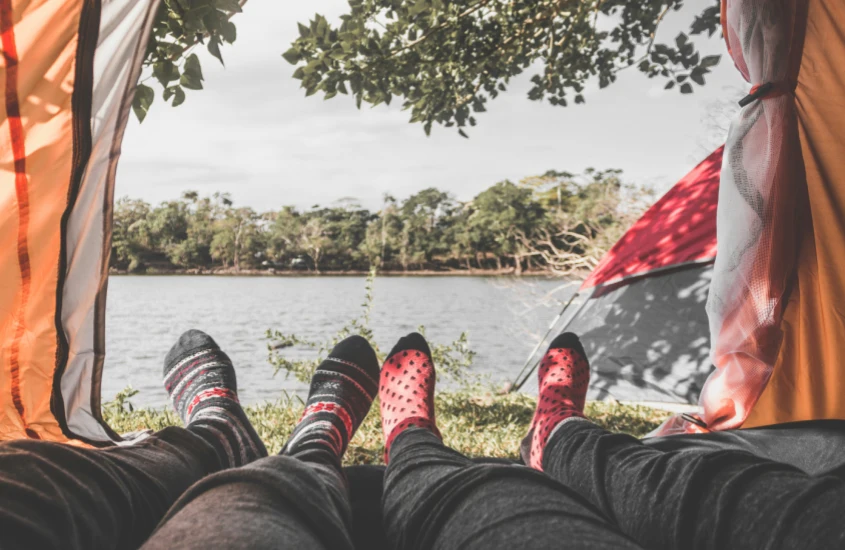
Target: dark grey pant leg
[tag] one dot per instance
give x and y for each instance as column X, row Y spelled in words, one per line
column 436, row 498
column 697, row 498
column 276, row 502
column 59, row 496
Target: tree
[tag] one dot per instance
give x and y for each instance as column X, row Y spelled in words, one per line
column 557, row 222
column 460, row 237
column 586, row 215
column 344, row 227
column 205, row 212
column 181, row 26
column 238, row 239
column 132, row 239
column 423, row 231
column 283, row 232
column 313, row 240
column 169, row 227
column 382, row 240
column 446, row 59
column 500, row 216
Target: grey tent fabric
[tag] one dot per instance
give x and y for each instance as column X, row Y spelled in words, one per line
column 647, row 339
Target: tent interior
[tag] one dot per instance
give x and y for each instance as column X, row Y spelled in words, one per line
column 642, row 312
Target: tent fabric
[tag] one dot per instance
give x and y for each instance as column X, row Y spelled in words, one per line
column 756, row 219
column 647, row 339
column 641, row 312
column 65, row 106
column 775, row 315
column 808, row 378
column 678, row 229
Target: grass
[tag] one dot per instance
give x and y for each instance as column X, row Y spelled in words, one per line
column 475, row 423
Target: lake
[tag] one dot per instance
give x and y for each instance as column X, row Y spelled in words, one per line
column 504, row 318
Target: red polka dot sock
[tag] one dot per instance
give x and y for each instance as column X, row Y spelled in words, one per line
column 406, row 390
column 342, row 390
column 564, row 375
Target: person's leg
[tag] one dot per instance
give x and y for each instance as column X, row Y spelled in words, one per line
column 60, row 496
column 296, row 500
column 436, row 498
column 679, row 499
column 813, row 446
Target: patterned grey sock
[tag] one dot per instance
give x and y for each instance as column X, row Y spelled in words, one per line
column 200, row 380
column 342, row 389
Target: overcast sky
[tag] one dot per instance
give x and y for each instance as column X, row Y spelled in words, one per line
column 252, row 132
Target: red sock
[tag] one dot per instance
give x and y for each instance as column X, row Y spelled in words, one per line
column 564, row 375
column 406, row 389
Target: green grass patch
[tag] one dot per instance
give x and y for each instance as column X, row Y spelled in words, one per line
column 474, row 423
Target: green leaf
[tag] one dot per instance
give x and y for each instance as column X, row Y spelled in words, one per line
column 178, row 96
column 464, row 58
column 144, row 97
column 232, row 6
column 190, row 82
column 463, row 134
column 697, row 78
column 192, row 67
column 165, row 72
column 669, row 85
column 686, row 88
column 214, row 49
column 711, row 61
column 229, row 32
column 292, row 56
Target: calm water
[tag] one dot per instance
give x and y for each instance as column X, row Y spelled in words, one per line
column 146, row 314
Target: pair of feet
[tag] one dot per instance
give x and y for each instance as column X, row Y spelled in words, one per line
column 201, row 382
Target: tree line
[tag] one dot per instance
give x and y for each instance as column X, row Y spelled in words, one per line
column 556, row 222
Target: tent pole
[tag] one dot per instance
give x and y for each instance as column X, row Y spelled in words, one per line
column 565, row 326
column 516, row 385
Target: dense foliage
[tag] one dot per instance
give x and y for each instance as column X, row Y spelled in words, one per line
column 446, row 58
column 179, row 28
column 555, row 222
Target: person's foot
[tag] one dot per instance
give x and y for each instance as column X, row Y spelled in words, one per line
column 342, row 390
column 406, row 389
column 564, row 375
column 200, row 380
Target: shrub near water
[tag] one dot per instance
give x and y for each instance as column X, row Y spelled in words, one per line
column 474, row 423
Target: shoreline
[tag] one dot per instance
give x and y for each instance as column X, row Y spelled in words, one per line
column 350, row 273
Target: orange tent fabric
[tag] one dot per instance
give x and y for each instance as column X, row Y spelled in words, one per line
column 808, row 381
column 68, row 70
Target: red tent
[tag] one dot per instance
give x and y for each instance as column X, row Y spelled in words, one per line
column 678, row 230
column 640, row 313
